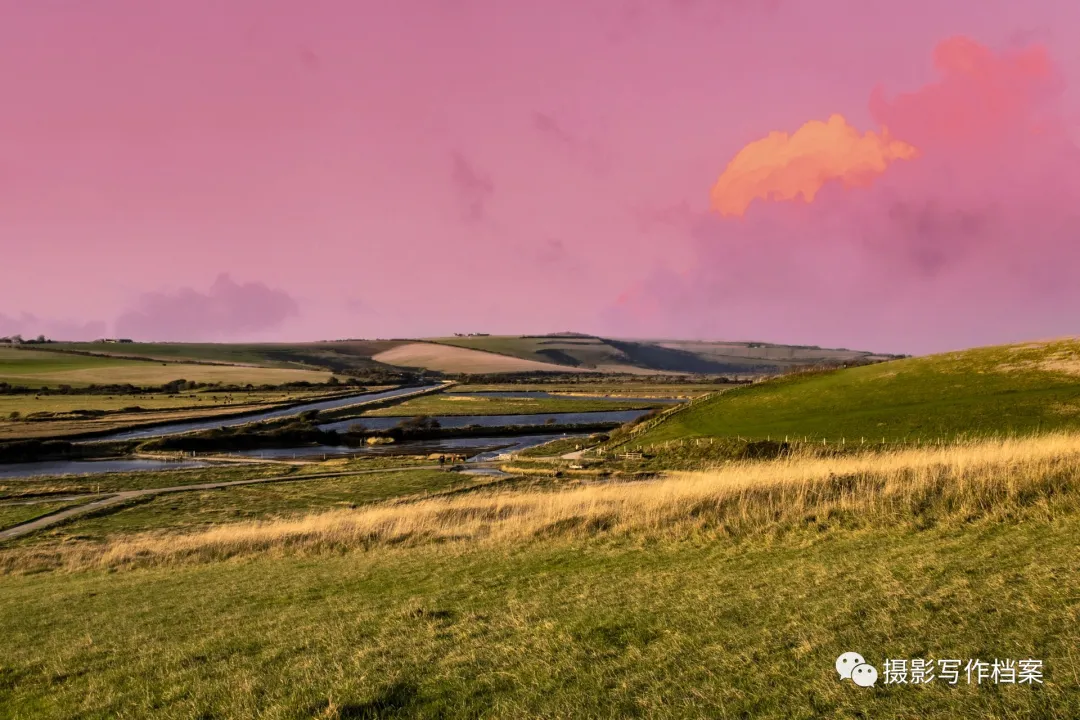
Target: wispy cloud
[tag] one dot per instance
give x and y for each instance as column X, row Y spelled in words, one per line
column 474, row 187
column 581, row 150
column 227, row 310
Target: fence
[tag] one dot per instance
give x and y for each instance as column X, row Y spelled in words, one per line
column 644, row 427
column 794, row 442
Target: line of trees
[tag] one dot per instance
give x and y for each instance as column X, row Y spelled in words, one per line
column 18, row 340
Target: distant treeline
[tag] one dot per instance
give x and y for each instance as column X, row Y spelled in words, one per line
column 18, row 340
column 34, row 450
column 174, row 387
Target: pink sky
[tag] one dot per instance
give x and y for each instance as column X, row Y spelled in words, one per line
column 275, row 170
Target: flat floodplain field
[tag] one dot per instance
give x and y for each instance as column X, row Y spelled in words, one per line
column 726, row 593
column 154, row 409
column 38, row 368
column 16, row 513
column 44, row 488
column 447, row 404
column 196, row 510
column 344, row 356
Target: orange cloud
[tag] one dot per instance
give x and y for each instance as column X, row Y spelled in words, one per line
column 783, row 167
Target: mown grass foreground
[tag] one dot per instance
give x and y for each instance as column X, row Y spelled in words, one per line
column 975, row 393
column 724, row 593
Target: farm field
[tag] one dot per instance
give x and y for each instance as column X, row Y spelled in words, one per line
column 604, row 600
column 451, row 359
column 39, row 368
column 339, row 356
column 986, row 391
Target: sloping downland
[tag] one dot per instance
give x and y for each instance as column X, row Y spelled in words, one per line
column 985, row 391
column 451, row 359
column 655, row 356
column 580, row 351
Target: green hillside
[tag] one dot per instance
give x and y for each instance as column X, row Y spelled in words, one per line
column 660, row 356
column 1004, row 389
column 573, row 351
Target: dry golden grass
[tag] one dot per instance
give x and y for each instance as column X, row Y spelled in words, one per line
column 918, row 486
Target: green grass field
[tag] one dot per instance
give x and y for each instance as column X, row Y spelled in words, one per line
column 16, row 514
column 40, row 368
column 342, row 357
column 559, row 447
column 987, row 391
column 586, row 629
column 57, row 415
column 27, row 404
column 42, row 487
column 198, row 510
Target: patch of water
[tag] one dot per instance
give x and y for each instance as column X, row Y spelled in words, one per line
column 204, row 424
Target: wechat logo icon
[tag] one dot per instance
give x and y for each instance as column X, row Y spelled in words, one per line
column 853, row 666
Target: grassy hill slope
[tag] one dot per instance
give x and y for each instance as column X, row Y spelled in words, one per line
column 1017, row 388
column 589, row 352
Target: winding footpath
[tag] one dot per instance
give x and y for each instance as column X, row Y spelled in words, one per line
column 126, row 495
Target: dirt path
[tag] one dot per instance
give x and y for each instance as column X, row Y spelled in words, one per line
column 125, row 495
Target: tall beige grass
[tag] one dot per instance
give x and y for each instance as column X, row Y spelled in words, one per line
column 921, row 487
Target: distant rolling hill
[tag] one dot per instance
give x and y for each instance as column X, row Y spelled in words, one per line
column 593, row 353
column 490, row 354
column 985, row 391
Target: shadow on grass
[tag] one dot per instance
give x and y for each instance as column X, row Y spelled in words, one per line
column 392, row 701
